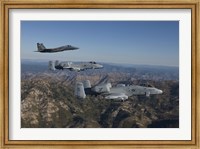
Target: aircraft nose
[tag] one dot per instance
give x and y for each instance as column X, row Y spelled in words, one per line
column 160, row 91
column 75, row 48
column 100, row 66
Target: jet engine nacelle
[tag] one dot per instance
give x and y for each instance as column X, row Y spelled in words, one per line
column 105, row 88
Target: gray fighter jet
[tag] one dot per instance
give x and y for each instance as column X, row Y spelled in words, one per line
column 120, row 92
column 73, row 67
column 42, row 49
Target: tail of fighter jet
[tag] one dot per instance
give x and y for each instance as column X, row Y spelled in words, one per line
column 40, row 47
column 68, row 64
column 51, row 65
column 87, row 87
column 86, row 84
column 56, row 62
column 79, row 90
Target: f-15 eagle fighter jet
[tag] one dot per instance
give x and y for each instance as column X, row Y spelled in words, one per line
column 41, row 48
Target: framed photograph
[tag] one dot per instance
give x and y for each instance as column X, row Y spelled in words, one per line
column 100, row 74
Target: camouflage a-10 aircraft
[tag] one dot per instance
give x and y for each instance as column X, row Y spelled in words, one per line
column 73, row 67
column 119, row 92
column 43, row 49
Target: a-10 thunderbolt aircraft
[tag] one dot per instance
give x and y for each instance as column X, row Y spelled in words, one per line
column 41, row 48
column 120, row 92
column 73, row 67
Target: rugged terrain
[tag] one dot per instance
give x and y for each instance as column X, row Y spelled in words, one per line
column 47, row 98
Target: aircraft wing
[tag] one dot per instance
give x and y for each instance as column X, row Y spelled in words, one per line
column 118, row 96
column 66, row 67
column 60, row 48
column 74, row 68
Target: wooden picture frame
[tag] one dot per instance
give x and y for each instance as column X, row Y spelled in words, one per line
column 6, row 5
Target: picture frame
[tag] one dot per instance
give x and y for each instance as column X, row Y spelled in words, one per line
column 6, row 6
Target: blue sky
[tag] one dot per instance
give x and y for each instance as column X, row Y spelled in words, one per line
column 131, row 42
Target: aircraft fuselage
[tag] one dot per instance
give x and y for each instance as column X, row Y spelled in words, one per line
column 59, row 49
column 136, row 90
column 43, row 49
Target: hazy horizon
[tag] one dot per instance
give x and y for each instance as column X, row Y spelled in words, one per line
column 111, row 63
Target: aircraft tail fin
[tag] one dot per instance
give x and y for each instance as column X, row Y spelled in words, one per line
column 79, row 90
column 86, row 84
column 40, row 46
column 51, row 65
column 69, row 64
column 56, row 62
column 87, row 87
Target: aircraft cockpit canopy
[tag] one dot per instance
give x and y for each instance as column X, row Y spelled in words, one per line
column 92, row 62
column 150, row 85
column 146, row 85
column 69, row 46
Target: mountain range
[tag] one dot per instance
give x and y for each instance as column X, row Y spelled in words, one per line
column 48, row 101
